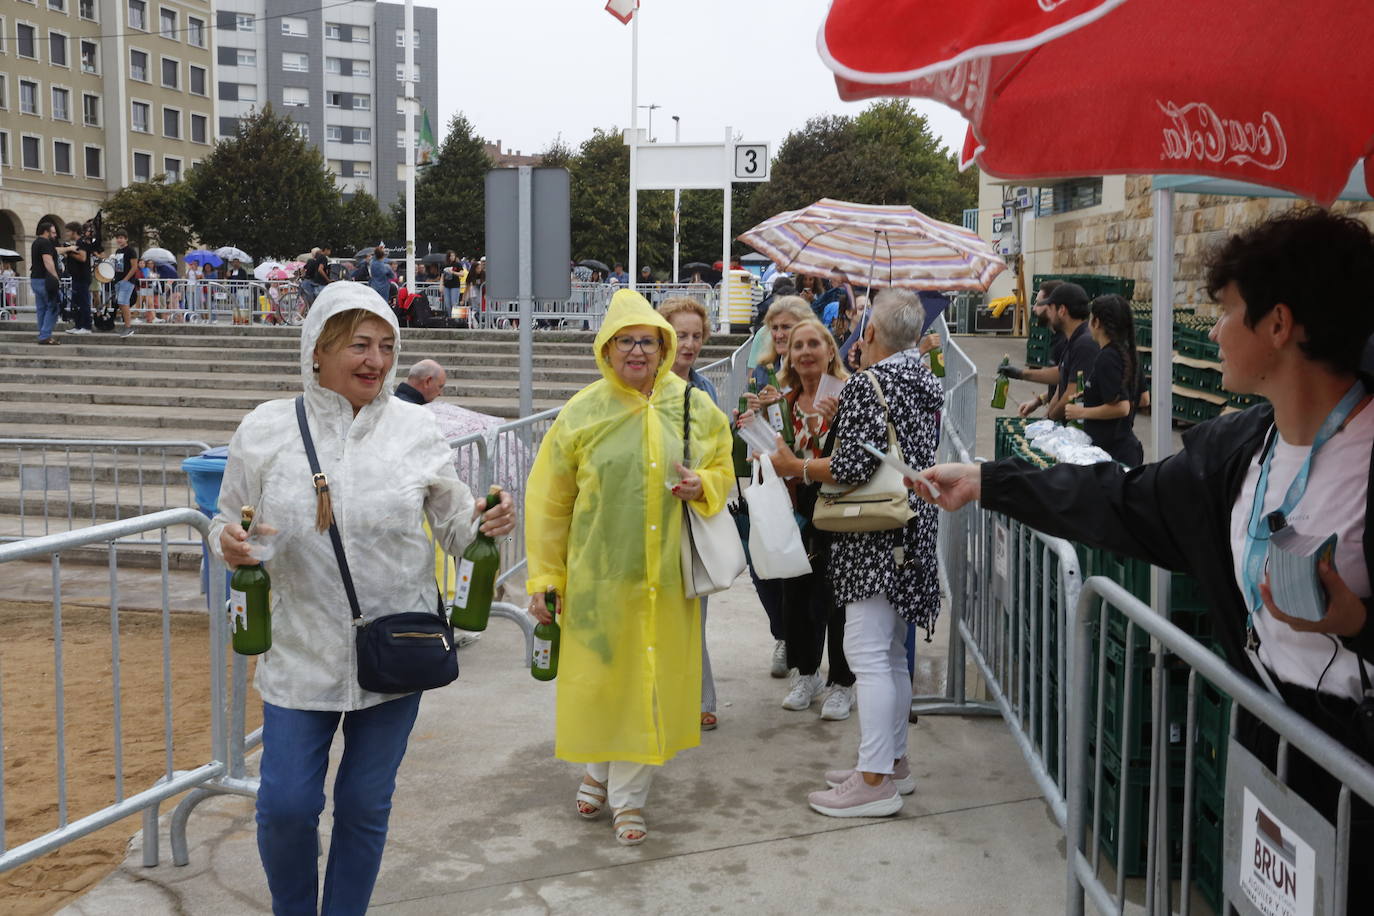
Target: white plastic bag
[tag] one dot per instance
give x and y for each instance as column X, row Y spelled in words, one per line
column 775, row 543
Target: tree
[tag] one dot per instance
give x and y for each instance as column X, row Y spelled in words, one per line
column 265, row 190
column 152, row 211
column 601, row 206
column 450, row 195
column 558, row 154
column 361, row 223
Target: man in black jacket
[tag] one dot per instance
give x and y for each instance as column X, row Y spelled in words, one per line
column 424, row 383
column 1297, row 298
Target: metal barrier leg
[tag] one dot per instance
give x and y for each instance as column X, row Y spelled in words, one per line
column 522, row 619
column 150, row 839
column 180, row 815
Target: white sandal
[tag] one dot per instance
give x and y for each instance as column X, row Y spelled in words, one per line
column 593, row 797
column 628, row 821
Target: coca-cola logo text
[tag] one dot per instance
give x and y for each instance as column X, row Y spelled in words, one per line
column 1195, row 131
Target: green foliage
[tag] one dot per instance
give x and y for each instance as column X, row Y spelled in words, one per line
column 450, row 195
column 361, row 223
column 885, row 155
column 266, row 190
column 152, row 212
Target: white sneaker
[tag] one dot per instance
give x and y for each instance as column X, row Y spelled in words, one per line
column 779, row 665
column 838, row 704
column 127, row 332
column 805, row 689
column 76, row 331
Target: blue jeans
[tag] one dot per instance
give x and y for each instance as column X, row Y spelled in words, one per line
column 309, row 290
column 81, row 306
column 295, row 756
column 46, row 306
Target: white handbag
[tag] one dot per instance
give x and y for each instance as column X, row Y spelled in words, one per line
column 775, row 542
column 712, row 555
column 878, row 504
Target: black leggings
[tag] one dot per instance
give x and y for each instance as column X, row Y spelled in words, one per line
column 810, row 620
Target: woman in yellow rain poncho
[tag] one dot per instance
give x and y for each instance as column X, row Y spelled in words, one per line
column 604, row 529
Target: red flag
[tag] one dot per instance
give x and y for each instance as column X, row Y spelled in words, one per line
column 624, row 10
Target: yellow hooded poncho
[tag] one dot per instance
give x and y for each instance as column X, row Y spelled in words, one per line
column 602, row 527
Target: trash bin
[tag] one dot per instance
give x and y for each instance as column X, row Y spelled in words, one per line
column 206, row 473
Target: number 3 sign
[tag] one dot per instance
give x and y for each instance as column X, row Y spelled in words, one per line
column 751, row 162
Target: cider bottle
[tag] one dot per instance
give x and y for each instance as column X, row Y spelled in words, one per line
column 1078, row 398
column 937, row 361
column 999, row 387
column 250, row 609
column 477, row 576
column 739, row 448
column 544, row 661
column 780, row 413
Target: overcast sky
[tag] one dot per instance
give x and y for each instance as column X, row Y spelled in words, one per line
column 525, row 71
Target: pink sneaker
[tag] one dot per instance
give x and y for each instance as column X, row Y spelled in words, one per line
column 856, row 798
column 901, row 777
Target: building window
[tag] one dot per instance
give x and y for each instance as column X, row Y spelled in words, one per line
column 362, row 68
column 171, row 123
column 296, row 28
column 86, row 9
column 294, row 97
column 200, row 126
column 303, row 131
column 171, row 169
column 333, row 65
column 296, row 63
column 138, row 15
column 362, row 34
column 31, row 152
column 4, row 93
column 5, row 148
column 333, row 99
column 171, row 73
column 333, row 132
column 167, row 19
column 362, row 170
column 28, row 97
column 362, row 103
column 401, row 73
column 248, row 92
column 1068, row 196
column 61, row 104
column 244, row 22
column 94, row 162
column 195, row 32
column 62, row 157
column 26, row 41
column 139, row 113
column 143, row 166
column 198, row 81
column 247, row 57
column 333, row 30
column 59, row 5
column 90, row 57
column 138, row 66
column 90, row 109
column 401, row 38
column 362, row 135
column 57, row 49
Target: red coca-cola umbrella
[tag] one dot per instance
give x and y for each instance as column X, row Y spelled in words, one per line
column 1275, row 92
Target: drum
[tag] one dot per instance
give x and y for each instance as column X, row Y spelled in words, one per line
column 104, row 272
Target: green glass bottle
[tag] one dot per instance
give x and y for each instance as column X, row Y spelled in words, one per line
column 544, row 660
column 477, row 577
column 937, row 361
column 999, row 387
column 780, row 413
column 740, row 449
column 1078, row 398
column 250, row 603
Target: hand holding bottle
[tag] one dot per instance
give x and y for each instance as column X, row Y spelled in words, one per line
column 241, row 550
column 540, row 610
column 496, row 521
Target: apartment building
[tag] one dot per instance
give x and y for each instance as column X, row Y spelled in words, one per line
column 338, row 73
column 95, row 95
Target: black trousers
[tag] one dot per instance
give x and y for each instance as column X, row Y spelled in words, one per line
column 811, row 620
column 81, row 305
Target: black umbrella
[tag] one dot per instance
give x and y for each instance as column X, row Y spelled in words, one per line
column 437, row 257
column 363, row 253
column 697, row 265
column 594, row 265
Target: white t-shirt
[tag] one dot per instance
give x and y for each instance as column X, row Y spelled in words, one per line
column 1335, row 500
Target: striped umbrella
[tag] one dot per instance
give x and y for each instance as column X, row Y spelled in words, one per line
column 891, row 245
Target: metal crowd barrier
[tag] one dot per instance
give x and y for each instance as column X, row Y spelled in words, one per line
column 223, row 773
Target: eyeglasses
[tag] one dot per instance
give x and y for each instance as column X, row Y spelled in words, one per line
column 647, row 345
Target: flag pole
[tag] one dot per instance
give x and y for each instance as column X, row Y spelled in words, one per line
column 410, row 107
column 634, row 148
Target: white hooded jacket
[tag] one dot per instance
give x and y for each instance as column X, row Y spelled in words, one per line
column 389, row 469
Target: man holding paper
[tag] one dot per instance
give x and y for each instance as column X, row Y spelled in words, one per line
column 1256, row 492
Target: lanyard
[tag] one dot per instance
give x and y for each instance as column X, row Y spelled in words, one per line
column 1260, row 526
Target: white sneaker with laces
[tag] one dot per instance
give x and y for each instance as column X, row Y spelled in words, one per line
column 779, row 664
column 838, row 703
column 805, row 689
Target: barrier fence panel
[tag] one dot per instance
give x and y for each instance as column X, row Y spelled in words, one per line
column 729, row 376
column 223, row 772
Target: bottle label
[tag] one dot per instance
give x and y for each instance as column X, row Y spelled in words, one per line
column 460, row 595
column 775, row 417
column 238, row 611
column 543, row 652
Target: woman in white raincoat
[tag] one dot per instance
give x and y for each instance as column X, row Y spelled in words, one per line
column 603, row 526
column 389, row 471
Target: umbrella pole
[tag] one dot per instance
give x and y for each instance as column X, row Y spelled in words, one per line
column 872, row 266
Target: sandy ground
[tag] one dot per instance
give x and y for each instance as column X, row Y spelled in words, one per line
column 30, row 748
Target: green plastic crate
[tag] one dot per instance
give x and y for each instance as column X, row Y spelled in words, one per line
column 1209, row 824
column 1134, row 833
column 1093, row 284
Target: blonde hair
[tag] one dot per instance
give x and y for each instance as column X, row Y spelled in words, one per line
column 678, row 304
column 835, row 366
column 794, row 306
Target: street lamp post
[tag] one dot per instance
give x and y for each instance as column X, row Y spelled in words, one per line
column 677, row 206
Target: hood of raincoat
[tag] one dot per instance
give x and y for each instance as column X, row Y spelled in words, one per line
column 333, row 299
column 627, row 309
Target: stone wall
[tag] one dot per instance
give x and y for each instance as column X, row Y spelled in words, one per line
column 1119, row 244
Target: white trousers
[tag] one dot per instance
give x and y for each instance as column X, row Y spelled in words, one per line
column 708, row 680
column 627, row 784
column 875, row 645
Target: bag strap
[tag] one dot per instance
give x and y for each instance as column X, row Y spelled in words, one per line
column 322, row 485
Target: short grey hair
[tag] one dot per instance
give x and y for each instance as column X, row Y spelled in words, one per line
column 423, row 371
column 897, row 319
